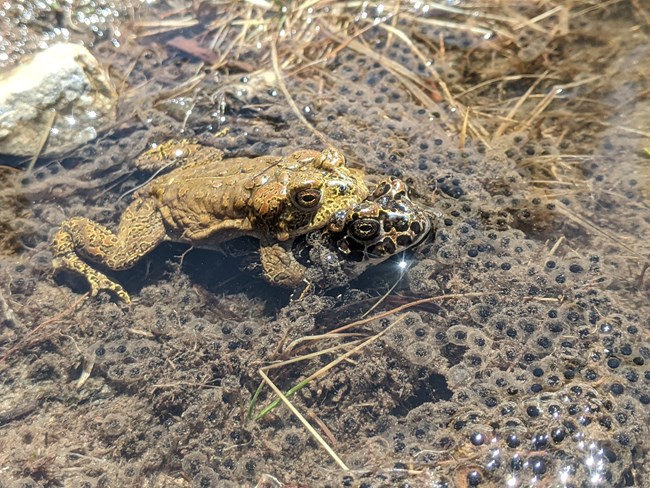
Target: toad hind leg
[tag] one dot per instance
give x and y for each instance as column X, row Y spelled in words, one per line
column 141, row 229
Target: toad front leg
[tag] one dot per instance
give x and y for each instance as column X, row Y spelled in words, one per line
column 280, row 265
column 141, row 229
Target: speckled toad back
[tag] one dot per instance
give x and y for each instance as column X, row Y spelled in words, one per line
column 209, row 200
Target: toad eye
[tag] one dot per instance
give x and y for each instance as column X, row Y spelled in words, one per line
column 307, row 199
column 365, row 229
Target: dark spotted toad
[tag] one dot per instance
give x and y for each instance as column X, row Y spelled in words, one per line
column 387, row 223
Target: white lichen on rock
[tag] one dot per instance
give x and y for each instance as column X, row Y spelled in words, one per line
column 63, row 90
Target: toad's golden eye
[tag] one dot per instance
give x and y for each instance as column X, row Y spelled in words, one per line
column 365, row 229
column 307, row 199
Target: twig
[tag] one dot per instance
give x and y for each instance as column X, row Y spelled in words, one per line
column 26, row 408
column 304, row 422
column 406, row 306
column 23, row 342
column 326, row 430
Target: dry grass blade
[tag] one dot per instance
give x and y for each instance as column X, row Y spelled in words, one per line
column 539, row 18
column 486, row 33
column 238, row 41
column 289, row 98
column 510, row 116
column 352, row 351
column 393, row 21
column 623, row 128
column 556, row 246
column 47, row 128
column 390, row 290
column 387, row 313
column 463, row 130
column 260, row 3
column 316, row 353
column 87, row 369
column 7, row 312
column 157, row 27
column 304, row 422
column 323, row 427
column 549, row 97
column 426, row 100
column 413, row 83
column 595, row 7
column 180, row 89
column 472, row 13
column 406, row 306
column 476, row 130
column 539, row 109
column 268, row 481
column 297, row 360
column 501, row 79
column 167, row 24
column 595, row 229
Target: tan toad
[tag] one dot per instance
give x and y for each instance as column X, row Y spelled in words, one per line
column 209, row 200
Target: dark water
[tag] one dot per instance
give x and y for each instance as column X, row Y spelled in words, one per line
column 513, row 350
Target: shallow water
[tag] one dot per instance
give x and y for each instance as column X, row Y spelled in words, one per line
column 513, row 350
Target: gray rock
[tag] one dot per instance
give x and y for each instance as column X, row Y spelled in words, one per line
column 63, row 90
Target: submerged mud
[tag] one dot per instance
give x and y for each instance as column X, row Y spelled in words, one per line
column 514, row 347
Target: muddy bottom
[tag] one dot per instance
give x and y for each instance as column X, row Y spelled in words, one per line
column 509, row 349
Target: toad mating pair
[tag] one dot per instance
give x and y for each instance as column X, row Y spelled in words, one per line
column 208, row 200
